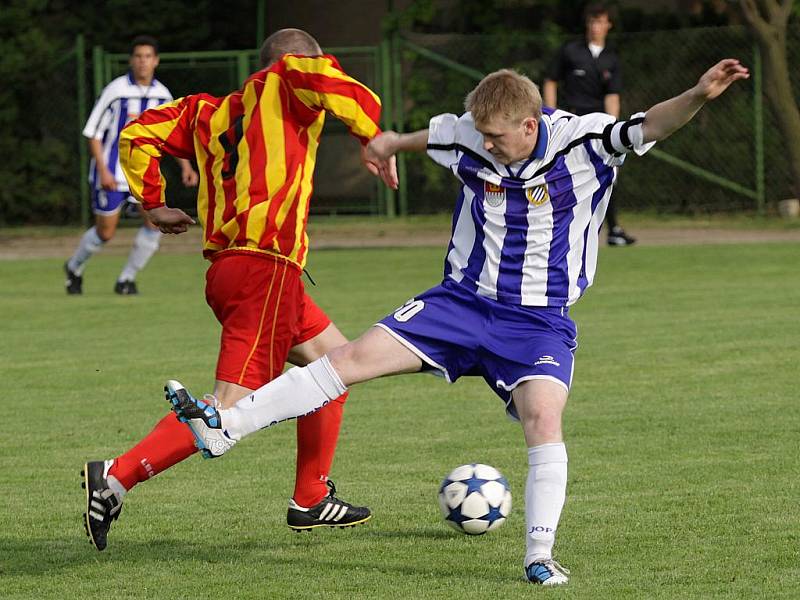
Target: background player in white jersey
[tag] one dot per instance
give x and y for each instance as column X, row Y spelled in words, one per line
column 523, row 249
column 121, row 101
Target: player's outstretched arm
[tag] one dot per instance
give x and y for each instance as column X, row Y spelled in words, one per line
column 166, row 129
column 663, row 119
column 389, row 143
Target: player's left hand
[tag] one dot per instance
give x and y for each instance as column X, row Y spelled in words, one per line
column 170, row 220
column 717, row 79
column 189, row 177
column 380, row 164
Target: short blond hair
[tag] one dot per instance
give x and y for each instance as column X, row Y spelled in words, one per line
column 504, row 93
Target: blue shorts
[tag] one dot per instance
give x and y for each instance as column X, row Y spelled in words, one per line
column 109, row 203
column 458, row 332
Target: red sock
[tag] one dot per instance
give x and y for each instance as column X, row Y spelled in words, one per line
column 168, row 444
column 317, row 435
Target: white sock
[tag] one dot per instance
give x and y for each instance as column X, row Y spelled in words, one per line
column 299, row 391
column 545, row 492
column 89, row 244
column 116, row 486
column 113, row 483
column 145, row 245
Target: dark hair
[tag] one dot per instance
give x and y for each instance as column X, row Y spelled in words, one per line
column 595, row 9
column 144, row 40
column 287, row 41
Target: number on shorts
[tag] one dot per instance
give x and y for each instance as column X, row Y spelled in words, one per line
column 408, row 310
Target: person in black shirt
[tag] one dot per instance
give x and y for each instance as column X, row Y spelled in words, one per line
column 592, row 80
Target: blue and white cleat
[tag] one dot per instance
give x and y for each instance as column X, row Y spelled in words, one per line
column 546, row 572
column 202, row 418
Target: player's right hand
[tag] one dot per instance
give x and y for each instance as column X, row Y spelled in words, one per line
column 382, row 146
column 378, row 157
column 170, row 220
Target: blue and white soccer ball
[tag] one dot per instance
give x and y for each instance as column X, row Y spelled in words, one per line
column 475, row 499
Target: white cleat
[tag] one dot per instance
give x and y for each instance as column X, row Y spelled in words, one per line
column 546, row 572
column 202, row 418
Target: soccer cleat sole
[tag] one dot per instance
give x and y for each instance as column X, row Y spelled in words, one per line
column 86, row 528
column 301, row 528
column 198, row 442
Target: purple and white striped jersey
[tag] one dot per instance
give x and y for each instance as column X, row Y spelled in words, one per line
column 527, row 233
column 121, row 101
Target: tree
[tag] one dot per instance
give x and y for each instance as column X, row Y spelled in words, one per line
column 767, row 21
column 39, row 129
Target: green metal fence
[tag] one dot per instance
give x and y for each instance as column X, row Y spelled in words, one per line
column 729, row 158
column 341, row 185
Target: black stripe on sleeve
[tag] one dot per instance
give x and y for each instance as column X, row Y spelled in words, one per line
column 609, row 147
column 623, row 132
column 464, row 150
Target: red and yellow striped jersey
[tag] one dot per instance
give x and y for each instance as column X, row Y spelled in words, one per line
column 255, row 151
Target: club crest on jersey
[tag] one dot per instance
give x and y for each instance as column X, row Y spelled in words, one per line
column 537, row 195
column 494, row 195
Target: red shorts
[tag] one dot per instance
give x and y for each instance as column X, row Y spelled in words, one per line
column 264, row 311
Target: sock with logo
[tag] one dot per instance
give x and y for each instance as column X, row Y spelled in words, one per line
column 145, row 245
column 89, row 244
column 545, row 492
column 299, row 391
column 167, row 444
column 317, row 435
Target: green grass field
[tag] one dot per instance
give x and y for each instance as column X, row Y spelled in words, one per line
column 682, row 429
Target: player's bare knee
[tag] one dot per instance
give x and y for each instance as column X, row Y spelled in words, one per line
column 544, row 421
column 541, row 421
column 546, row 431
column 105, row 232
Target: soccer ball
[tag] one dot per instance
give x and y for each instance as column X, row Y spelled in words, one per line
column 475, row 499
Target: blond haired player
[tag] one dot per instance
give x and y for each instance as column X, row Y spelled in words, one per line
column 535, row 185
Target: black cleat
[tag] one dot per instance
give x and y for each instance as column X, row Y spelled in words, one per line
column 618, row 237
column 74, row 282
column 102, row 504
column 330, row 512
column 126, row 288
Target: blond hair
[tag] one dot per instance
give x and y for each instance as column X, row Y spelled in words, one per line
column 504, row 93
